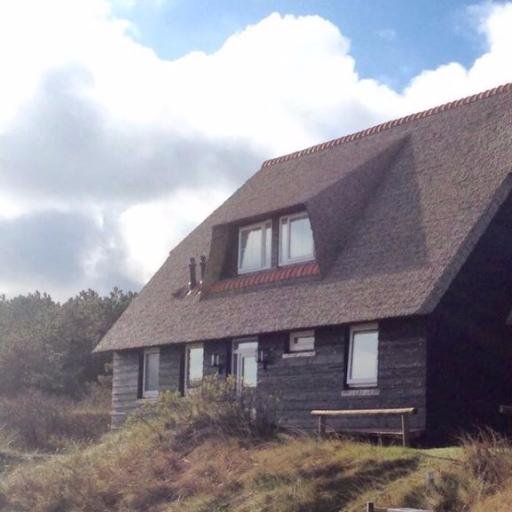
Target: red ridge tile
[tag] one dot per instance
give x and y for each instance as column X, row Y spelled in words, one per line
column 390, row 124
column 266, row 276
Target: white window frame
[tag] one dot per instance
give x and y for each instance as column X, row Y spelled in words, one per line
column 237, row 353
column 152, row 393
column 188, row 347
column 361, row 383
column 284, row 259
column 263, row 227
column 301, row 334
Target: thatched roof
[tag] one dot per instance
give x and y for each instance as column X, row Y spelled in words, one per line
column 395, row 210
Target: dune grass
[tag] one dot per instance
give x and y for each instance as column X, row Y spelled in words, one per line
column 209, row 453
column 35, row 421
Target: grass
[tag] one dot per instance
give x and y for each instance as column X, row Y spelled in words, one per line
column 209, row 453
column 34, row 421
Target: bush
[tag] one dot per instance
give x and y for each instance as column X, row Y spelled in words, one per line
column 215, row 409
column 484, row 469
column 37, row 421
column 147, row 464
column 488, row 459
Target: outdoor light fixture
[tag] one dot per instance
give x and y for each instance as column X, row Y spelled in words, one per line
column 216, row 361
column 263, row 357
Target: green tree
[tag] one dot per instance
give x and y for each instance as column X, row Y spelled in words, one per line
column 48, row 346
column 86, row 318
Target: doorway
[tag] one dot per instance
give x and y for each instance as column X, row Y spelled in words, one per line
column 245, row 363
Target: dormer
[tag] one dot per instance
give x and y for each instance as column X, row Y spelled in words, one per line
column 254, row 249
column 277, row 241
column 301, row 239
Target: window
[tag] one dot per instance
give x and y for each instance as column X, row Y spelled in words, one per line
column 303, row 341
column 194, row 355
column 254, row 247
column 363, row 356
column 151, row 369
column 295, row 239
column 245, row 362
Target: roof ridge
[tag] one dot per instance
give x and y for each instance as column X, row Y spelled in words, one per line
column 391, row 124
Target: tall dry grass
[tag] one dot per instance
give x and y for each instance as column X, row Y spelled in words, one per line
column 216, row 450
column 37, row 421
column 141, row 466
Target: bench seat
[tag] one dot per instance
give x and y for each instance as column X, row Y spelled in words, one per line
column 403, row 413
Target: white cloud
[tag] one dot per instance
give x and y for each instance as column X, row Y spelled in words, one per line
column 150, row 229
column 96, row 126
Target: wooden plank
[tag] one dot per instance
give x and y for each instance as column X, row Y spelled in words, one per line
column 370, row 507
column 405, row 430
column 322, row 421
column 364, row 412
column 403, row 510
column 413, row 433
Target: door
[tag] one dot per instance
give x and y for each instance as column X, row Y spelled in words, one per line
column 245, row 363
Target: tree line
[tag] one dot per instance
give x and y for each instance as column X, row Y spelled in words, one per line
column 47, row 345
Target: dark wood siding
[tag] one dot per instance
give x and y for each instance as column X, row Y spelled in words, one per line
column 171, row 368
column 223, row 348
column 318, row 382
column 304, row 383
column 125, row 385
column 470, row 345
column 126, row 382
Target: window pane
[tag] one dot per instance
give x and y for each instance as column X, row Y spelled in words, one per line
column 250, row 371
column 250, row 248
column 283, row 235
column 247, row 346
column 195, row 366
column 268, row 244
column 245, row 363
column 302, row 343
column 301, row 238
column 365, row 356
column 151, row 371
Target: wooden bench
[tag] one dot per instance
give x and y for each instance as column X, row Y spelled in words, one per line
column 405, row 432
column 370, row 507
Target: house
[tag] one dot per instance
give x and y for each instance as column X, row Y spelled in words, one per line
column 374, row 270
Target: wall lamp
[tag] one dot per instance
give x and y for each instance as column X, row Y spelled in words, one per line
column 217, row 361
column 263, row 357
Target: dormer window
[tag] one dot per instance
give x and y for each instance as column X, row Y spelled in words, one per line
column 254, row 247
column 295, row 239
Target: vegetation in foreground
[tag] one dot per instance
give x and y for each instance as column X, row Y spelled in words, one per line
column 210, row 452
column 53, row 391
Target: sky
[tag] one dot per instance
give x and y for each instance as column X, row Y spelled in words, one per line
column 124, row 123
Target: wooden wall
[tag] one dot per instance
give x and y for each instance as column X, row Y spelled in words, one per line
column 470, row 345
column 127, row 379
column 304, row 383
column 125, row 385
column 171, row 368
column 318, row 382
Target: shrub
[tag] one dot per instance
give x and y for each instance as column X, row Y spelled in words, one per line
column 151, row 461
column 488, row 459
column 38, row 421
column 215, row 409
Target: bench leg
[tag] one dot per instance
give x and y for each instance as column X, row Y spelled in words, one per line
column 321, row 425
column 405, row 430
column 370, row 507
